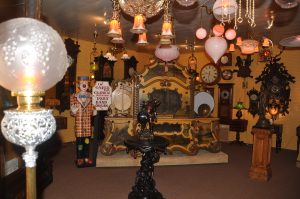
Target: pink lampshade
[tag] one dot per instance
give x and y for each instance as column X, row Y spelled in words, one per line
column 215, row 47
column 249, row 46
column 218, row 30
column 201, row 33
column 238, row 41
column 231, row 48
column 167, row 52
column 230, row 34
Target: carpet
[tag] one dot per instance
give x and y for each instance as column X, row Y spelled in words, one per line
column 122, row 159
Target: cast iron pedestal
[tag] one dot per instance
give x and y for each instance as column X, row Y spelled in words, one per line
column 144, row 187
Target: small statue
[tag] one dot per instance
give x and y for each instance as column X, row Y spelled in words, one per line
column 148, row 115
column 81, row 107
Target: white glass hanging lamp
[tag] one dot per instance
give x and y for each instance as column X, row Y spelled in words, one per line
column 224, row 10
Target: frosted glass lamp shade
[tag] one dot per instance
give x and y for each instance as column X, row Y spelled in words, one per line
column 224, row 10
column 215, row 47
column 138, row 24
column 167, row 53
column 33, row 56
column 249, row 46
column 186, row 3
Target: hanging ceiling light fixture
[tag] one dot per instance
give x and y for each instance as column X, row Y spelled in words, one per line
column 141, row 10
column 114, row 24
column 249, row 46
column 142, row 39
column 166, row 31
column 118, row 40
column 139, row 24
column 224, row 10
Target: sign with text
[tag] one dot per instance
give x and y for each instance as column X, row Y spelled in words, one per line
column 101, row 96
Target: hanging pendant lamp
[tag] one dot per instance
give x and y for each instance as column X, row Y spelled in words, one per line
column 114, row 25
column 166, row 31
column 215, row 47
column 139, row 24
column 224, row 10
column 118, row 40
column 142, row 39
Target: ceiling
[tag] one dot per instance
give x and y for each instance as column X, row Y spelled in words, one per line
column 76, row 18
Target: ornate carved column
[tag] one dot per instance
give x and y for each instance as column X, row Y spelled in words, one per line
column 262, row 142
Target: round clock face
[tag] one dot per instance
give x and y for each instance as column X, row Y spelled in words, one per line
column 225, row 94
column 210, row 74
column 275, row 89
column 121, row 99
column 253, row 97
column 227, row 74
column 224, row 59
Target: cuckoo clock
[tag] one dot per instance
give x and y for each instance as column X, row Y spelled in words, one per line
column 275, row 83
column 243, row 66
column 253, row 95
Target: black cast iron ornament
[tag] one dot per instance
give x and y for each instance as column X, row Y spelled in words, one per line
column 150, row 147
column 244, row 70
column 274, row 91
column 144, row 187
column 147, row 116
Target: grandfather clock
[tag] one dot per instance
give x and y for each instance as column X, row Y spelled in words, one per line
column 105, row 73
column 67, row 85
column 225, row 103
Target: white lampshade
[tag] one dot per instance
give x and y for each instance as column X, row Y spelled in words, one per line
column 167, row 52
column 186, row 3
column 33, row 56
column 224, row 10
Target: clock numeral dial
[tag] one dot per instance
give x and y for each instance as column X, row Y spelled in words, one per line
column 210, row 74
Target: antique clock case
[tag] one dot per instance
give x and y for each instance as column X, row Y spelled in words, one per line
column 225, row 102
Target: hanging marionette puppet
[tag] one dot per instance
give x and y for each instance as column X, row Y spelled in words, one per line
column 82, row 109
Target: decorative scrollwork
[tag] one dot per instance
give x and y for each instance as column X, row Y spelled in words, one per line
column 28, row 129
column 148, row 8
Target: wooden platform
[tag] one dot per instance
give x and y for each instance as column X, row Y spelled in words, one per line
column 122, row 159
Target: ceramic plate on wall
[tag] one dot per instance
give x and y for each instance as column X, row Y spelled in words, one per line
column 203, row 98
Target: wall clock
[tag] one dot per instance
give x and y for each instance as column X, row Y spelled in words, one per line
column 227, row 74
column 210, row 74
column 226, row 60
column 122, row 98
column 253, row 95
column 225, row 103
